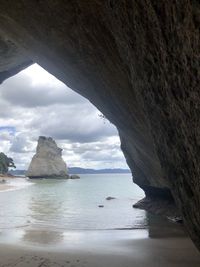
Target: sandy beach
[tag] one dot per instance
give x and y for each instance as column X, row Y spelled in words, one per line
column 116, row 252
column 10, row 183
column 4, row 186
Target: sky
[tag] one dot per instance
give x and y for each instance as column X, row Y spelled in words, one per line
column 34, row 103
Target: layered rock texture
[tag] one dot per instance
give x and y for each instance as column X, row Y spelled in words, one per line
column 138, row 62
column 47, row 162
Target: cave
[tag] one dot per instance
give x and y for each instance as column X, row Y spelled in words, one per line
column 138, row 63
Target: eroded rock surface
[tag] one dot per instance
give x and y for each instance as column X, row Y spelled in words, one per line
column 13, row 59
column 138, row 62
column 47, row 162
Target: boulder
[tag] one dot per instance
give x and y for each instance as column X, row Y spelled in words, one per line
column 110, row 198
column 74, row 176
column 47, row 162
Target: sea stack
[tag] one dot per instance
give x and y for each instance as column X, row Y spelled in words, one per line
column 47, row 162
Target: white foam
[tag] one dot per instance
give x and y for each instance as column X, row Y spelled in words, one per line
column 17, row 184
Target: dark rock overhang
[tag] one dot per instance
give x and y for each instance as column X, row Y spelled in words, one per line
column 13, row 60
column 138, row 62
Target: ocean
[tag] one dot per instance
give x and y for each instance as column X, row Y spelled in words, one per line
column 61, row 214
column 73, row 204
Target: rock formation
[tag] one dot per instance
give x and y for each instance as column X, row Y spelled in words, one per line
column 74, row 176
column 47, row 162
column 138, row 62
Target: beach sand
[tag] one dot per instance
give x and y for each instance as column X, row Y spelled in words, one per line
column 5, row 186
column 107, row 249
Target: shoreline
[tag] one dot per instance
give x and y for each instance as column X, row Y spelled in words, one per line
column 113, row 250
column 4, row 186
column 12, row 183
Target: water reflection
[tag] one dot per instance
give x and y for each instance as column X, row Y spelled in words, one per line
column 140, row 220
column 160, row 227
column 45, row 208
column 43, row 237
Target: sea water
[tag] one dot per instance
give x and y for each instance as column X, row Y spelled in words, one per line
column 65, row 214
column 73, row 204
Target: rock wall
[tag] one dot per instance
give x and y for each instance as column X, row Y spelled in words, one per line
column 47, row 162
column 13, row 59
column 138, row 62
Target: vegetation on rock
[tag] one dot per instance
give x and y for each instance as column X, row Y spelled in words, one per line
column 5, row 163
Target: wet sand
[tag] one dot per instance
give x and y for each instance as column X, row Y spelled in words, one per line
column 103, row 249
column 5, row 186
column 8, row 183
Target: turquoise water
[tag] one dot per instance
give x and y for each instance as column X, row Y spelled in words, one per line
column 73, row 204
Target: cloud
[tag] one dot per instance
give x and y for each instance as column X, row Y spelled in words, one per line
column 5, row 109
column 35, row 103
column 7, row 128
column 75, row 125
column 22, row 92
column 21, row 144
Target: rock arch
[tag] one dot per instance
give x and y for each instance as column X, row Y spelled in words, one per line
column 138, row 62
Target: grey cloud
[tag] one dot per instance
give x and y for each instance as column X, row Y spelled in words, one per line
column 67, row 123
column 6, row 111
column 21, row 144
column 104, row 155
column 95, row 147
column 21, row 161
column 78, row 135
column 96, row 153
column 23, row 93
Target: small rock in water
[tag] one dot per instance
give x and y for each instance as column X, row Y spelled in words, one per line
column 74, row 176
column 110, row 198
column 101, row 206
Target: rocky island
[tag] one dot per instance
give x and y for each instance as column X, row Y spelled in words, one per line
column 47, row 162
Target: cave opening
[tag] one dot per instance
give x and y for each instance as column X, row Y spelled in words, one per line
column 34, row 103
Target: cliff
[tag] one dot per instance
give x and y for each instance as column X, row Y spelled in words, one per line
column 138, row 63
column 47, row 162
